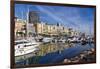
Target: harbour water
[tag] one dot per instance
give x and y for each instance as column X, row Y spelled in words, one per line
column 54, row 53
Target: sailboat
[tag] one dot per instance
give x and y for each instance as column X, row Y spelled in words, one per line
column 26, row 46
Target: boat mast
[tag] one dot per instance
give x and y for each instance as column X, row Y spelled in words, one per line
column 27, row 21
column 22, row 22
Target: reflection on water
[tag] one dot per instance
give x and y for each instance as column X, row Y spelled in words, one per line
column 51, row 50
column 51, row 47
column 45, row 49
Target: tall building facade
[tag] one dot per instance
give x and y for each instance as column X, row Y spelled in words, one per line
column 33, row 17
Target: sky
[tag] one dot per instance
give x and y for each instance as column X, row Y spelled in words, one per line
column 78, row 18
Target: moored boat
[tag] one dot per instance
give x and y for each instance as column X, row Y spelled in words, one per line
column 23, row 47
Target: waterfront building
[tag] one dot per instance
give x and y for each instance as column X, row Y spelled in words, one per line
column 42, row 28
column 50, row 29
column 39, row 28
column 20, row 27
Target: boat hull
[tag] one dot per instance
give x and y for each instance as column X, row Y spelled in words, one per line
column 25, row 50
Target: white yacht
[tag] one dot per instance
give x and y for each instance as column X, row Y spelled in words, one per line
column 74, row 39
column 47, row 39
column 27, row 45
column 23, row 47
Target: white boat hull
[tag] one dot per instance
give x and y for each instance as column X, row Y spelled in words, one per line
column 25, row 50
